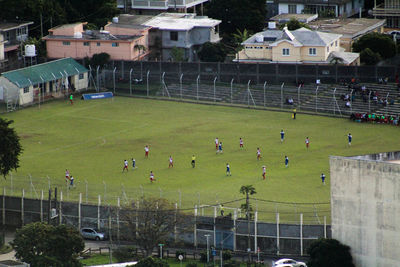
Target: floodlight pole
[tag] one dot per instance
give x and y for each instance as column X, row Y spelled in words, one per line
column 369, row 101
column 316, row 99
column 197, row 86
column 282, row 95
column 130, row 81
column 215, row 79
column 180, row 82
column 147, row 80
column 115, row 68
column 248, row 93
column 232, row 90
column 97, row 78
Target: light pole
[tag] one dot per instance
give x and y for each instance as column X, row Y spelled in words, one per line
column 208, row 248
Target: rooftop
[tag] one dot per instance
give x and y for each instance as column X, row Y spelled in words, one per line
column 284, row 17
column 391, row 157
column 352, row 27
column 11, row 25
column 95, row 35
column 180, row 21
column 45, row 72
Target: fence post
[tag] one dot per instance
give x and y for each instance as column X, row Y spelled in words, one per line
column 316, row 99
column 12, row 186
column 118, row 208
column 41, row 207
column 79, row 210
column 234, row 228
column 98, row 212
column 175, row 229
column 4, row 207
column 147, row 82
column 197, row 87
column 265, row 85
column 22, row 207
column 301, row 234
column 298, row 96
column 232, row 90
column 137, row 218
column 130, row 82
column 277, row 234
column 60, row 208
column 115, row 68
column 324, row 226
column 255, row 231
column 180, row 82
column 180, row 198
column 195, row 226
column 282, row 95
column 258, row 74
column 215, row 229
column 215, row 79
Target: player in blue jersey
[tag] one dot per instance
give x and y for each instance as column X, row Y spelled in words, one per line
column 228, row 170
column 282, row 135
column 323, row 178
column 350, row 137
column 286, row 161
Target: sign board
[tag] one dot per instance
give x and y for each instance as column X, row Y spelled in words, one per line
column 214, row 252
column 97, row 96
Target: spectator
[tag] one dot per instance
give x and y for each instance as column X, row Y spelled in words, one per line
column 348, row 104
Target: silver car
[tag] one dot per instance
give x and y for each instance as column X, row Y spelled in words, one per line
column 288, row 263
column 92, row 233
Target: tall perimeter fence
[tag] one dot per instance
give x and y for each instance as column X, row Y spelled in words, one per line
column 312, row 88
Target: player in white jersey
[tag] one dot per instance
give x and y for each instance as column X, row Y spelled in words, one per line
column 171, row 162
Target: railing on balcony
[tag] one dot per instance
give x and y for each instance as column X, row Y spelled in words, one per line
column 386, row 11
column 160, row 4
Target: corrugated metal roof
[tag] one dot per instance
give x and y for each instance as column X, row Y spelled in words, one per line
column 45, row 72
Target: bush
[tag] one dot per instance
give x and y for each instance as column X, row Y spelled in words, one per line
column 191, row 264
column 203, row 256
column 152, row 262
column 226, row 255
column 180, row 252
column 124, row 254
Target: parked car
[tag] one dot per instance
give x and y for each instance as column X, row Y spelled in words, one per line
column 92, row 233
column 288, row 263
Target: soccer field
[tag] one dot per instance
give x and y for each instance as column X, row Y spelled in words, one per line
column 92, row 139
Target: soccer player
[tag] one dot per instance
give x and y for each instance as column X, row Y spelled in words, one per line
column 71, row 99
column 171, row 162
column 193, row 161
column 264, row 172
column 282, row 135
column 133, row 164
column 307, row 142
column 228, row 170
column 323, row 178
column 294, row 114
column 152, row 177
column 66, row 175
column 286, row 161
column 220, row 147
column 146, row 151
column 216, row 143
column 240, row 142
column 350, row 137
column 258, row 153
column 71, row 184
column 125, row 166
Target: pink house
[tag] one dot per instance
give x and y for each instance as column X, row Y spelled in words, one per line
column 71, row 40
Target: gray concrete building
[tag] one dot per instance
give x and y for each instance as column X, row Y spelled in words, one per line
column 365, row 205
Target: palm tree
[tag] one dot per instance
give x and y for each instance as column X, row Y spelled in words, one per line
column 336, row 60
column 139, row 47
column 248, row 190
column 240, row 37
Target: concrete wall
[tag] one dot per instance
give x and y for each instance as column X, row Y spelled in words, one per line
column 365, row 204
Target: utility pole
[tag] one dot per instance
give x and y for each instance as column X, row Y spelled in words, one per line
column 248, row 226
column 110, row 234
column 41, row 26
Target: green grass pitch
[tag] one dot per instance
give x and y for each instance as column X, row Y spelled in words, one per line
column 92, row 138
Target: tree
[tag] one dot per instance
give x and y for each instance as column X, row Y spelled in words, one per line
column 368, row 57
column 10, row 148
column 294, row 24
column 336, row 60
column 100, row 59
column 157, row 219
column 248, row 190
column 177, row 54
column 152, row 262
column 238, row 14
column 140, row 48
column 329, row 253
column 41, row 244
column 212, row 52
column 378, row 43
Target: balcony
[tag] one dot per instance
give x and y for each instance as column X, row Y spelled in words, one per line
column 382, row 11
column 316, row 2
column 164, row 5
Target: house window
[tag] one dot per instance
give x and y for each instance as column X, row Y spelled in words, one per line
column 115, row 44
column 23, row 30
column 292, row 9
column 66, row 43
column 285, row 52
column 85, row 43
column 80, row 76
column 173, row 36
column 98, row 44
column 26, row 90
column 312, row 51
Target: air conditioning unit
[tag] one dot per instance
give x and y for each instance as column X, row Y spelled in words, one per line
column 53, row 213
